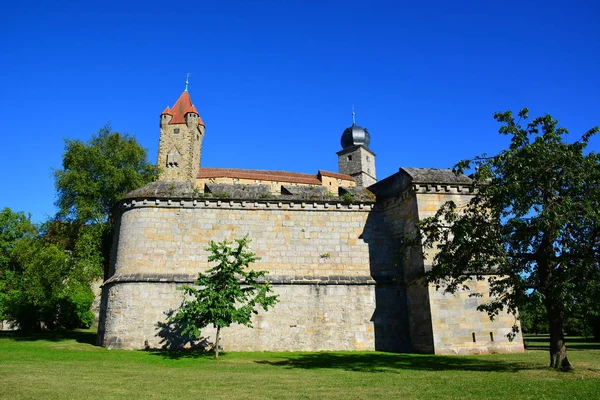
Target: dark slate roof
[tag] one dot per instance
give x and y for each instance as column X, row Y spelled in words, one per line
column 359, row 194
column 434, row 175
column 163, row 189
column 237, row 191
column 185, row 190
column 306, row 192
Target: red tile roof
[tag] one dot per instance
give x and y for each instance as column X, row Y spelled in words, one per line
column 336, row 175
column 182, row 106
column 262, row 175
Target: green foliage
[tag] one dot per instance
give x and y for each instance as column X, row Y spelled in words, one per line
column 532, row 228
column 94, row 177
column 348, row 198
column 41, row 285
column 532, row 315
column 227, row 294
column 46, row 271
column 98, row 173
column 13, row 226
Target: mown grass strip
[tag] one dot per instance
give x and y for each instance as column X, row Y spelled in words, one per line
column 68, row 366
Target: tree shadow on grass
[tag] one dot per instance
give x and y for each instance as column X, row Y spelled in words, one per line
column 183, row 354
column 175, row 344
column 389, row 362
column 80, row 336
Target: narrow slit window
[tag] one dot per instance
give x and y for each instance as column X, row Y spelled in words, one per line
column 492, row 336
column 474, row 340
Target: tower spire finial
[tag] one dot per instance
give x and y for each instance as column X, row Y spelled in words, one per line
column 187, row 80
column 353, row 116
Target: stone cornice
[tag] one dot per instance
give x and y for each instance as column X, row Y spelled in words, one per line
column 428, row 188
column 245, row 204
column 274, row 280
column 451, row 188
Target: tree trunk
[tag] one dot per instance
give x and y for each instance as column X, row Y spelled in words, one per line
column 554, row 307
column 217, row 343
column 558, row 349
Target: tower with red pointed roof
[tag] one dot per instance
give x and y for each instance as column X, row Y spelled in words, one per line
column 180, row 145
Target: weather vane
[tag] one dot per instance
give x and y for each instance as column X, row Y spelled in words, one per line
column 353, row 116
column 187, row 80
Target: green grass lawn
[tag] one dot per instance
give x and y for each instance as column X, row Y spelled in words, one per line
column 69, row 366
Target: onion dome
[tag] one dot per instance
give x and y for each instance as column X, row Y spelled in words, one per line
column 355, row 136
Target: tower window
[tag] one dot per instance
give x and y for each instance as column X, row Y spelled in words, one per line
column 474, row 340
column 368, row 159
column 349, row 158
column 492, row 336
column 173, row 159
column 176, row 130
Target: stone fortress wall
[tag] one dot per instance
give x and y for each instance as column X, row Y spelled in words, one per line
column 321, row 257
column 334, row 265
column 330, row 246
column 439, row 322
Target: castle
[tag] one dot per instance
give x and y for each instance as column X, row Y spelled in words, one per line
column 329, row 242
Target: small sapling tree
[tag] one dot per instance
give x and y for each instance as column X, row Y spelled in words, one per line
column 226, row 294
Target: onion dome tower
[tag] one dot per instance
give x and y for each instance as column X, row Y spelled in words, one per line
column 355, row 158
column 180, row 145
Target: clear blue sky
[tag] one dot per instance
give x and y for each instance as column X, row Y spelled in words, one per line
column 274, row 81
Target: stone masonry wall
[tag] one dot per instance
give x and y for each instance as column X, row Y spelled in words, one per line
column 458, row 327
column 320, row 256
column 291, row 240
column 307, row 318
column 401, row 215
column 188, row 144
column 358, row 162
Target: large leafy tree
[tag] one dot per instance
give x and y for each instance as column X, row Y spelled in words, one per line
column 226, row 294
column 94, row 175
column 41, row 285
column 532, row 228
